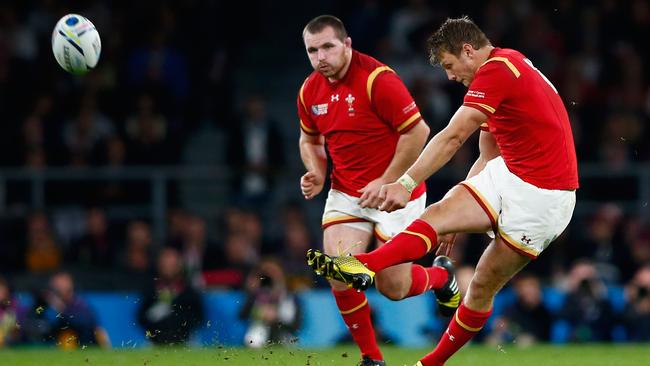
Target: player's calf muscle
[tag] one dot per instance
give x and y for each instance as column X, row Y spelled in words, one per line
column 395, row 283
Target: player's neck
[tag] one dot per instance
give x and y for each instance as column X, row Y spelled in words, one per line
column 483, row 54
column 344, row 70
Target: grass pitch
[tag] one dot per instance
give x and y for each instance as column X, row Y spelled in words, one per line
column 567, row 355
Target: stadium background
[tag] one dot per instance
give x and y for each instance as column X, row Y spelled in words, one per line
column 156, row 146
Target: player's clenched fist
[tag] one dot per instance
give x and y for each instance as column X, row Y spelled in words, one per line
column 393, row 197
column 311, row 185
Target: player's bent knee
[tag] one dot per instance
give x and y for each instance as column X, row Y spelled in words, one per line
column 432, row 211
column 434, row 215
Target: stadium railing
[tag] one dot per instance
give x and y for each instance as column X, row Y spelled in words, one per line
column 632, row 182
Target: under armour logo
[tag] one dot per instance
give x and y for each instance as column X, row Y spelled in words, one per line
column 334, row 98
column 525, row 239
column 355, row 326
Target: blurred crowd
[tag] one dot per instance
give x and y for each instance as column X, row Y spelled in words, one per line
column 155, row 97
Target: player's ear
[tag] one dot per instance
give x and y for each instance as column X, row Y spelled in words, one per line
column 468, row 49
column 348, row 42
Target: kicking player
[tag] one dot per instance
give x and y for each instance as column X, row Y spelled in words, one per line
column 521, row 189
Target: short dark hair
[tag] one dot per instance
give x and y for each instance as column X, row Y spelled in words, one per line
column 451, row 36
column 319, row 23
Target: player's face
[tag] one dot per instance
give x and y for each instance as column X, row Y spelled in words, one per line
column 460, row 69
column 327, row 53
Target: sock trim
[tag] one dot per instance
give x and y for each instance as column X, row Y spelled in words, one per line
column 346, row 312
column 427, row 241
column 426, row 285
column 465, row 326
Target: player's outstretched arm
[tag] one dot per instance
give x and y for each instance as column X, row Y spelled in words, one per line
column 436, row 154
column 312, row 153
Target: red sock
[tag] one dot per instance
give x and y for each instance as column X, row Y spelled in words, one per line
column 355, row 310
column 462, row 327
column 424, row 279
column 411, row 244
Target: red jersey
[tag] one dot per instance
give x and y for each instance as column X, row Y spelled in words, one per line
column 527, row 118
column 361, row 117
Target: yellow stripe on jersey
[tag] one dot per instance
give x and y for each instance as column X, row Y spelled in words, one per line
column 507, row 62
column 307, row 129
column 485, row 106
column 372, row 76
column 408, row 122
column 302, row 98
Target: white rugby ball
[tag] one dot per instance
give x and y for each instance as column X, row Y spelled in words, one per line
column 76, row 44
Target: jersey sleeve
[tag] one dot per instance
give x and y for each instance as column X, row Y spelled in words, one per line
column 393, row 102
column 307, row 125
column 492, row 85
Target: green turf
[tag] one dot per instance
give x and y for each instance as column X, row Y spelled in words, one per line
column 591, row 355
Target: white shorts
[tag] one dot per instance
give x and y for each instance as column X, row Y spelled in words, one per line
column 528, row 218
column 341, row 208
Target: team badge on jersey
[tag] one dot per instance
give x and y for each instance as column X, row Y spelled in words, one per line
column 319, row 109
column 350, row 100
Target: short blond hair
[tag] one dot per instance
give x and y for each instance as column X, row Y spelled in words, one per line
column 451, row 36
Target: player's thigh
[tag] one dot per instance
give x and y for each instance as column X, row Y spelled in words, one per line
column 341, row 239
column 457, row 211
column 497, row 265
column 345, row 227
